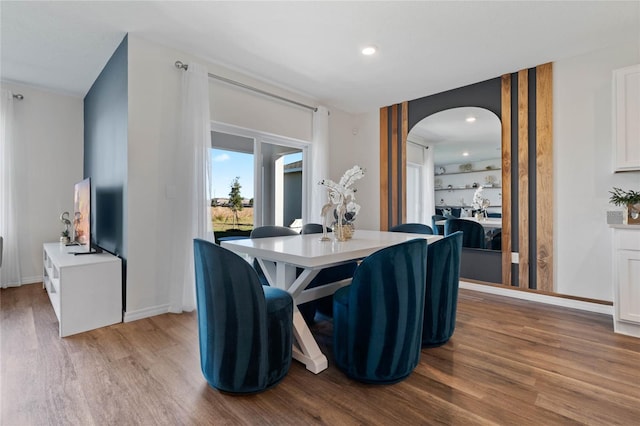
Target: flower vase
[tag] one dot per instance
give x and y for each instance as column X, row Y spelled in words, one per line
column 343, row 232
column 633, row 214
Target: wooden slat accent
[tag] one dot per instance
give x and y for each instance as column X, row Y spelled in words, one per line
column 384, row 168
column 394, row 164
column 506, row 179
column 523, row 178
column 544, row 173
column 404, row 133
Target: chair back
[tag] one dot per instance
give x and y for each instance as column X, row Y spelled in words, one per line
column 313, row 228
column 473, row 232
column 378, row 318
column 271, row 231
column 267, row 231
column 328, row 275
column 437, row 229
column 441, row 298
column 233, row 323
column 412, row 228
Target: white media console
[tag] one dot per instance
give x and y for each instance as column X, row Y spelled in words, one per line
column 85, row 290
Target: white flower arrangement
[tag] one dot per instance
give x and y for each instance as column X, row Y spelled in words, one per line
column 479, row 203
column 342, row 195
column 477, row 199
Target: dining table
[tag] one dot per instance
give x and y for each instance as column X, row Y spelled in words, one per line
column 292, row 262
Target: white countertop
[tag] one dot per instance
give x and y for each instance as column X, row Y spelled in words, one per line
column 621, row 226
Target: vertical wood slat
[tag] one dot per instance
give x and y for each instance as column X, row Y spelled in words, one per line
column 506, row 179
column 394, row 164
column 523, row 178
column 404, row 131
column 544, row 179
column 384, row 169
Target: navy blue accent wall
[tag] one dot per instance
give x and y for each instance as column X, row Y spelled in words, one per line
column 105, row 154
column 105, row 151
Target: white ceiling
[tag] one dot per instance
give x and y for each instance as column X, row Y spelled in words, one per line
column 425, row 47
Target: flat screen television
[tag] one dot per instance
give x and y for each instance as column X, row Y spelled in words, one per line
column 82, row 215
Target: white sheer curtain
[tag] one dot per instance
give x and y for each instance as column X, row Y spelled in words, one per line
column 319, row 166
column 10, row 274
column 192, row 177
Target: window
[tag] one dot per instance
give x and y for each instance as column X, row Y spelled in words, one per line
column 271, row 174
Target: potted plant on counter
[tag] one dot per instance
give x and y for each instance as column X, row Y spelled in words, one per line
column 630, row 200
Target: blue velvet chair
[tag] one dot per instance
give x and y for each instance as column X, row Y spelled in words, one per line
column 245, row 329
column 313, row 228
column 265, row 232
column 325, row 276
column 271, row 231
column 473, row 232
column 412, row 228
column 377, row 322
column 441, row 298
column 437, row 229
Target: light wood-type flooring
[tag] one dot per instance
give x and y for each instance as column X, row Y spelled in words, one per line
column 509, row 362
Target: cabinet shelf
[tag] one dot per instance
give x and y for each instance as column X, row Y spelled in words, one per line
column 466, row 189
column 470, row 171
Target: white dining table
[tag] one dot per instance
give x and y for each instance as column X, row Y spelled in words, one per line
column 280, row 257
column 490, row 222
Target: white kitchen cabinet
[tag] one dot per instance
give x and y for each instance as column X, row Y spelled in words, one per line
column 626, row 279
column 626, row 118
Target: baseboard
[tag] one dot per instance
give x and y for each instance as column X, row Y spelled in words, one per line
column 541, row 298
column 145, row 313
column 26, row 280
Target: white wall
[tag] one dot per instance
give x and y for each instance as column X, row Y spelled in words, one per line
column 356, row 140
column 583, row 175
column 49, row 133
column 154, row 108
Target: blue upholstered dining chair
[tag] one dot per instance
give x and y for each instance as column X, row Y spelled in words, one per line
column 441, row 298
column 325, row 276
column 473, row 232
column 265, row 232
column 437, row 229
column 245, row 329
column 377, row 321
column 412, row 228
column 313, row 228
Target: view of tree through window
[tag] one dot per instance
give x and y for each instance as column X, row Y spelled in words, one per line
column 231, row 190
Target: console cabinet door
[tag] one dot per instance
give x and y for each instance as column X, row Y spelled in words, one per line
column 626, row 116
column 629, row 285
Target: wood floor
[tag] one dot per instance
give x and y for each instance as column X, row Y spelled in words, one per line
column 509, row 362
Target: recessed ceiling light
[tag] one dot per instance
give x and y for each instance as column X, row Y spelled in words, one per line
column 369, row 50
column 465, row 154
column 470, row 119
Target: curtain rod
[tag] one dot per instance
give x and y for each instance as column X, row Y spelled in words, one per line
column 181, row 65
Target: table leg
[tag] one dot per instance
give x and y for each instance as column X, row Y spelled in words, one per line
column 306, row 349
